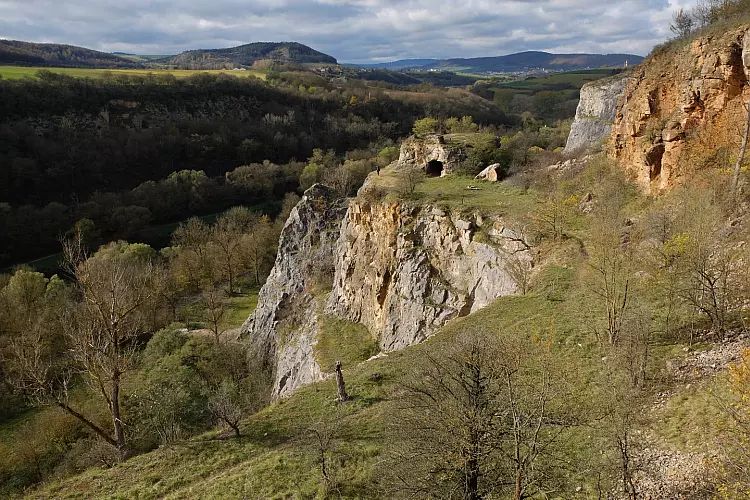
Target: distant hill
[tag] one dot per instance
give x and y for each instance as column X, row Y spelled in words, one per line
column 522, row 61
column 14, row 52
column 246, row 55
column 400, row 64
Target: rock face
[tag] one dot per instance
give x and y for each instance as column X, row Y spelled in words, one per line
column 595, row 113
column 403, row 271
column 430, row 153
column 682, row 109
column 282, row 330
column 399, row 269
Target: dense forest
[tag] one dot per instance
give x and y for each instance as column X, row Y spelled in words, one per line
column 130, row 151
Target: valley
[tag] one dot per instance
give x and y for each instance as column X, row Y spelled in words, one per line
column 255, row 272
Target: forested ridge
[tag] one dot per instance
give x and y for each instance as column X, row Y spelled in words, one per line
column 74, row 148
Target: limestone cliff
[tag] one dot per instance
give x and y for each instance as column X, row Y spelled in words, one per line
column 683, row 109
column 281, row 331
column 404, row 270
column 399, row 268
column 596, row 111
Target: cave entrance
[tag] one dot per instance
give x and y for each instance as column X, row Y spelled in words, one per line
column 434, row 168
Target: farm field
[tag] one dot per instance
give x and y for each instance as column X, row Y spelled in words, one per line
column 20, row 72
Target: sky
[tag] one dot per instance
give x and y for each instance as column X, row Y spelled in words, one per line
column 356, row 31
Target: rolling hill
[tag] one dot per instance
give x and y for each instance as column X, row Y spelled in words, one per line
column 521, row 61
column 14, row 52
column 246, row 55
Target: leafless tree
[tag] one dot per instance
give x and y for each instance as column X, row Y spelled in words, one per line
column 215, row 309
column 229, row 403
column 100, row 334
column 409, row 179
column 326, row 432
column 682, row 24
column 103, row 330
column 519, row 270
column 483, row 417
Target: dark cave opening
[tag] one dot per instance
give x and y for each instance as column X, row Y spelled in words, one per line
column 434, row 168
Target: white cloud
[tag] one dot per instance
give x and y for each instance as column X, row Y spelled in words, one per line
column 351, row 30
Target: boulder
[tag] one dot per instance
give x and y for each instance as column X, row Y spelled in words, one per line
column 491, row 173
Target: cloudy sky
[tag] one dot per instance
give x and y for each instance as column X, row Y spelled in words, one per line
column 350, row 30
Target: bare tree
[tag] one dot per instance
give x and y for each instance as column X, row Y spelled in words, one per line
column 103, row 330
column 229, row 403
column 483, row 417
column 409, row 179
column 226, row 237
column 326, row 433
column 100, row 335
column 682, row 24
column 215, row 309
column 192, row 262
column 519, row 270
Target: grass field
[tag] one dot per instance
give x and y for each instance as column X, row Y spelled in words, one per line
column 21, row 72
column 556, row 81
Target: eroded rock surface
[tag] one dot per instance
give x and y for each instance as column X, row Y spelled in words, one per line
column 431, row 151
column 682, row 109
column 403, row 271
column 281, row 331
column 595, row 113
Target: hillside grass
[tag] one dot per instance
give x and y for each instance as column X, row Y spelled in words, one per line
column 276, row 457
column 21, row 72
column 342, row 340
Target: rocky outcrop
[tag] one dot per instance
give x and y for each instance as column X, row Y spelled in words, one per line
column 595, row 113
column 433, row 153
column 281, row 332
column 403, row 270
column 682, row 110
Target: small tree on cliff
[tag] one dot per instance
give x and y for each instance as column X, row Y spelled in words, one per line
column 682, row 24
column 426, row 126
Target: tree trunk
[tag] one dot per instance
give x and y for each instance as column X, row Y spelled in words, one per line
column 116, row 417
column 342, row 395
column 519, row 485
column 741, row 155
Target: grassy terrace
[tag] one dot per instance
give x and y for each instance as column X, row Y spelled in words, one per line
column 459, row 192
column 20, row 72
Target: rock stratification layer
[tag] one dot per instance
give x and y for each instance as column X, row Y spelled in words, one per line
column 403, row 270
column 682, row 110
column 595, row 113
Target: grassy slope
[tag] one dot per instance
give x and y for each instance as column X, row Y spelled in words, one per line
column 18, row 72
column 276, row 456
